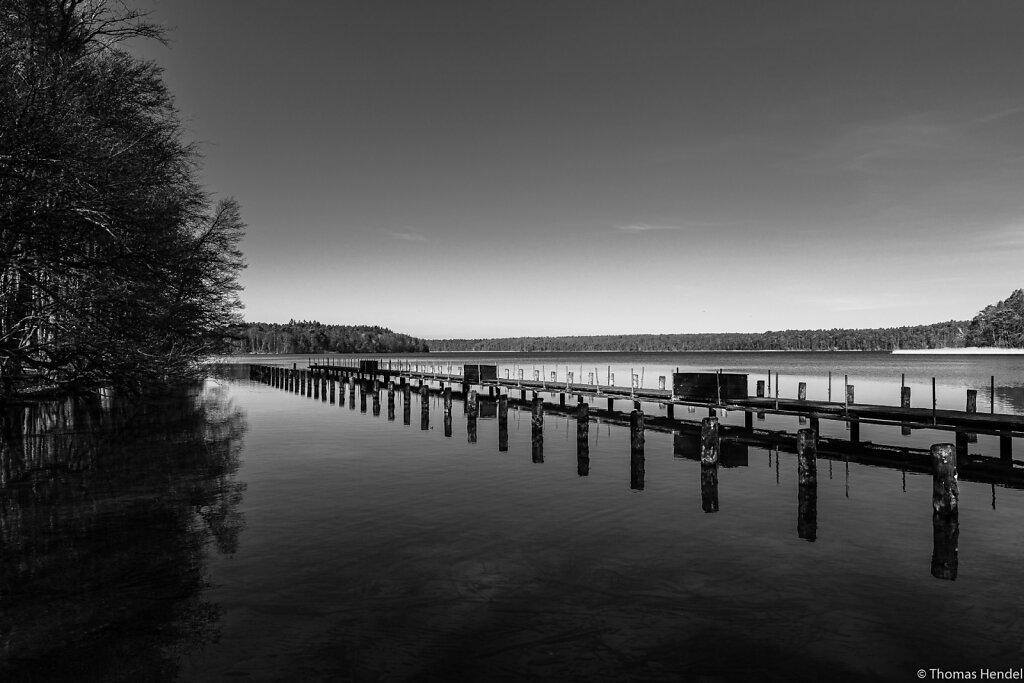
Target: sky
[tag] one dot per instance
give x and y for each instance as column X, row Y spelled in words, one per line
column 555, row 167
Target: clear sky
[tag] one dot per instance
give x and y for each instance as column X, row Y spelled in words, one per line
column 481, row 169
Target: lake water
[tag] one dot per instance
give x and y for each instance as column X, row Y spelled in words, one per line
column 240, row 532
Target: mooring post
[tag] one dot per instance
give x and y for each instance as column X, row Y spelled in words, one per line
column 905, row 397
column 1005, row 447
column 364, row 389
column 537, row 424
column 407, row 404
column 502, row 423
column 972, row 408
column 945, row 490
column 807, row 480
column 391, row 400
column 332, row 383
column 801, row 391
column 472, row 411
column 352, row 391
column 933, row 401
column 611, row 404
column 709, row 441
column 424, row 407
column 316, row 385
column 582, row 440
column 376, row 399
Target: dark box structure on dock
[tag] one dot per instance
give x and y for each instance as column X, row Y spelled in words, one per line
column 474, row 374
column 705, row 386
column 368, row 366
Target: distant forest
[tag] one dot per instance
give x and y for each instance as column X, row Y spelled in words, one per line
column 939, row 335
column 999, row 325
column 316, row 337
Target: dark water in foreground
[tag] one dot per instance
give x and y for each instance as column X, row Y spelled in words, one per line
column 243, row 533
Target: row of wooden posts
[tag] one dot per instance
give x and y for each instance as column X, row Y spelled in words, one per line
column 945, row 495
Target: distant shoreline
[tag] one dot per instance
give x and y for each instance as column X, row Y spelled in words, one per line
column 965, row 351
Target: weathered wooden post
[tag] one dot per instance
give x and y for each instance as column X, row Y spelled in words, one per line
column 849, row 395
column 582, row 439
column 323, row 387
column 364, row 389
column 316, row 385
column 391, row 401
column 801, row 391
column 375, row 403
column 424, row 407
column 807, row 480
column 972, row 408
column 905, row 403
column 709, row 441
column 945, row 490
column 472, row 410
column 503, row 423
column 332, row 383
column 945, row 512
column 636, row 450
column 611, row 404
column 310, row 381
column 759, row 393
column 670, row 411
column 446, row 393
column 537, row 424
column 351, row 392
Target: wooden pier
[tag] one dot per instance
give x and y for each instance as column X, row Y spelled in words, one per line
column 711, row 392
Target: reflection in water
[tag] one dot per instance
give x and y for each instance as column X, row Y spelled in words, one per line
column 709, row 487
column 107, row 510
column 636, row 450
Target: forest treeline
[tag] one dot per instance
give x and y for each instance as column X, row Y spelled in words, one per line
column 939, row 335
column 116, row 267
column 315, row 337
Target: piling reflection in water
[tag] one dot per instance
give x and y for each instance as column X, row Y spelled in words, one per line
column 391, row 401
column 945, row 512
column 64, row 470
column 406, row 404
column 709, row 487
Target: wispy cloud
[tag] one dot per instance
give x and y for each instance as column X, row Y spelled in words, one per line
column 409, row 237
column 645, row 227
column 636, row 228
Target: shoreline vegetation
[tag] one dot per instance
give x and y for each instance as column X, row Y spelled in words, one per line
column 117, row 269
column 998, row 328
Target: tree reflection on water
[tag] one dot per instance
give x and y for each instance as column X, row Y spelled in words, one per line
column 107, row 510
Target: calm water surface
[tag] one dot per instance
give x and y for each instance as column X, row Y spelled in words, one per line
column 260, row 535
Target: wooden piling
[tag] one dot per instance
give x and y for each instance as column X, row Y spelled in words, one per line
column 670, row 411
column 537, row 424
column 323, row 387
column 424, row 407
column 760, row 388
column 945, row 491
column 363, row 390
column 611, row 404
column 801, row 391
column 407, row 404
column 332, row 384
column 391, row 400
column 807, row 457
column 503, row 423
column 582, row 440
column 375, row 404
column 972, row 408
column 709, row 441
column 316, row 386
